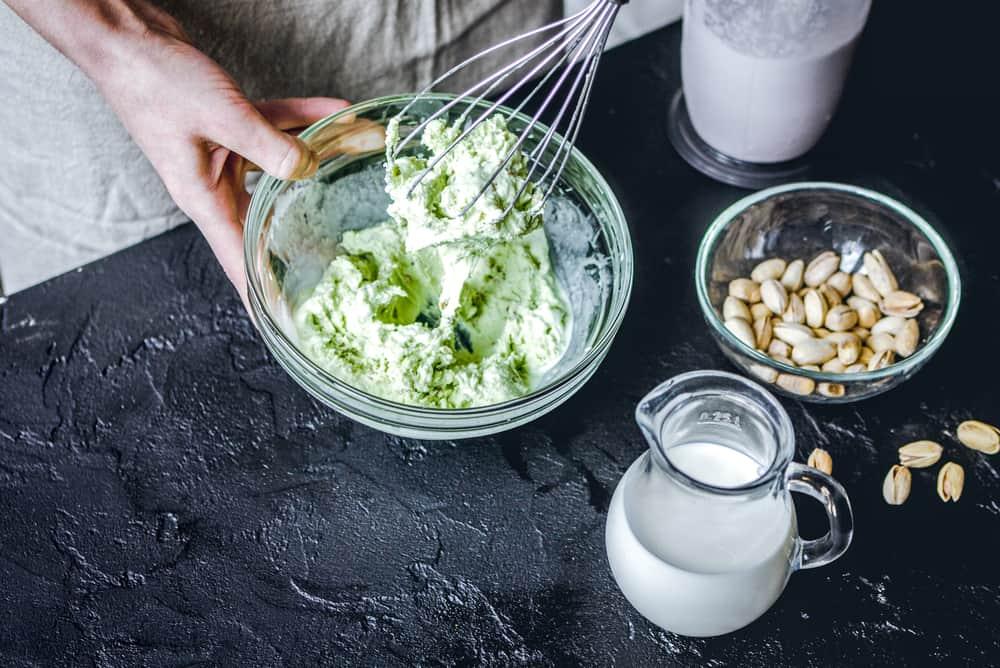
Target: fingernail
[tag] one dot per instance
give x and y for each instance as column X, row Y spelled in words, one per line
column 307, row 163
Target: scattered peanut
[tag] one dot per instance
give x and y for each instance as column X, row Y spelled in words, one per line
column 979, row 436
column 821, row 460
column 896, row 487
column 920, row 454
column 950, row 482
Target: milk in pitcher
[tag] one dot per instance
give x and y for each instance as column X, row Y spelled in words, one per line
column 692, row 573
column 701, row 532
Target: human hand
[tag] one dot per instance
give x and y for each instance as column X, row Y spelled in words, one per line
column 189, row 117
column 201, row 133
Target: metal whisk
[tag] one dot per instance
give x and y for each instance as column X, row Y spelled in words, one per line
column 573, row 53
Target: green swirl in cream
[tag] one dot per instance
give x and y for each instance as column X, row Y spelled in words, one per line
column 436, row 308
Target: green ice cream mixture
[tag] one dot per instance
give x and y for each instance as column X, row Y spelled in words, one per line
column 435, row 211
column 432, row 308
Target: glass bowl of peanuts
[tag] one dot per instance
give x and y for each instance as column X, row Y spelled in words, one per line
column 828, row 292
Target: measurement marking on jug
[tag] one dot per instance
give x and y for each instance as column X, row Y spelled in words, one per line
column 720, row 417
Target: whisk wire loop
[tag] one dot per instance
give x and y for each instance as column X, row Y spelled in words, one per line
column 576, row 47
column 498, row 76
column 592, row 42
column 575, row 34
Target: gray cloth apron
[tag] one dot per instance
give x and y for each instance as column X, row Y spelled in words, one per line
column 74, row 187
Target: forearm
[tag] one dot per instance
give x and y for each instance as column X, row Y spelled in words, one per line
column 97, row 35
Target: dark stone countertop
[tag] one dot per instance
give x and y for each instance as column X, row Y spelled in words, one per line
column 168, row 496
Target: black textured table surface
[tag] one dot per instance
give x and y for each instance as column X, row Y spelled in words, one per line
column 168, row 496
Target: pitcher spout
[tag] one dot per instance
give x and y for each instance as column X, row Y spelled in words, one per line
column 650, row 412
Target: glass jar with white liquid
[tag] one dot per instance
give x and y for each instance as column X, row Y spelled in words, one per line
column 701, row 532
column 761, row 81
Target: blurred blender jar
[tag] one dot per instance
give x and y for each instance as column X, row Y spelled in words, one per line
column 761, row 81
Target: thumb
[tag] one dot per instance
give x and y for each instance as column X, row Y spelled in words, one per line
column 245, row 131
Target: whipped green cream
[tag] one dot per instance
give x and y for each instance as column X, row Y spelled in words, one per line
column 435, row 211
column 432, row 308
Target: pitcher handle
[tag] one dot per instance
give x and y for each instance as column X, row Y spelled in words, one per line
column 826, row 490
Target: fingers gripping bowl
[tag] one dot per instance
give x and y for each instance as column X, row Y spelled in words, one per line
column 293, row 231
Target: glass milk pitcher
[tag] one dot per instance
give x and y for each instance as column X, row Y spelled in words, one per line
column 701, row 532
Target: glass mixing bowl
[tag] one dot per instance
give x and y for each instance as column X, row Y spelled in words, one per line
column 293, row 229
column 800, row 220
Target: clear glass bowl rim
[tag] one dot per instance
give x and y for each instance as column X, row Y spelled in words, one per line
column 711, row 239
column 262, row 314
